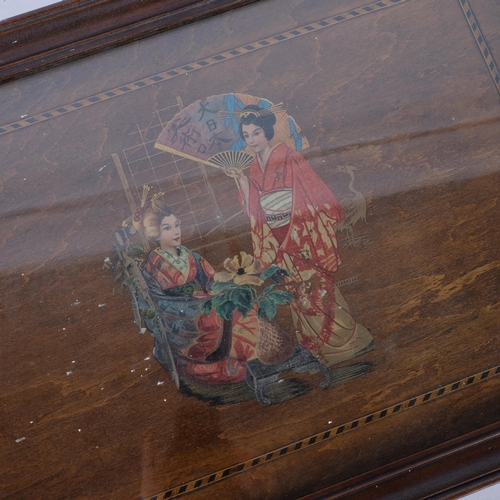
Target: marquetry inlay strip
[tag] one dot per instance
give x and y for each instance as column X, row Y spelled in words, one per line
column 181, row 71
column 481, row 42
column 325, row 434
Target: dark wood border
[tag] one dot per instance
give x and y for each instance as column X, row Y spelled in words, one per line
column 73, row 29
column 447, row 471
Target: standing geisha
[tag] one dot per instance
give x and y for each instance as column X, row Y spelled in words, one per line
column 293, row 216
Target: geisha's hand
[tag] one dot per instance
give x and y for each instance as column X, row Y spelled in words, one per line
column 235, row 173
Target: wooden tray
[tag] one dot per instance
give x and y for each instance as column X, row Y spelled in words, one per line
column 396, row 105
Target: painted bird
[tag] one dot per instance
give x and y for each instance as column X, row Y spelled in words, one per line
column 354, row 206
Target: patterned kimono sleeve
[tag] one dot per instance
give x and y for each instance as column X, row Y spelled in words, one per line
column 205, row 273
column 315, row 192
column 315, row 216
column 156, row 280
column 154, row 287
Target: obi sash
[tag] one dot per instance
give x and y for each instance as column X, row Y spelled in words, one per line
column 277, row 207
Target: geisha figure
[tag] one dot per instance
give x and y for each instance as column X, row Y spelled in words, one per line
column 293, row 216
column 205, row 348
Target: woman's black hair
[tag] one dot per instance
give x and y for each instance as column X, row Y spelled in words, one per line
column 266, row 122
column 161, row 210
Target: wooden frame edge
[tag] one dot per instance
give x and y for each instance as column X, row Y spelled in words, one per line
column 454, row 468
column 71, row 30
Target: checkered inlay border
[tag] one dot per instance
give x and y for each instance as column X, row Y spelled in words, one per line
column 481, row 42
column 199, row 64
column 324, row 435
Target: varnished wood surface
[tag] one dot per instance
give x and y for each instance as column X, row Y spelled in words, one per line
column 462, row 465
column 404, row 95
column 73, row 29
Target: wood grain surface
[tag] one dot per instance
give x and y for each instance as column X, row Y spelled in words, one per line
column 403, row 94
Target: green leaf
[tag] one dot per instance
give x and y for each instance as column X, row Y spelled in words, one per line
column 278, row 276
column 243, row 310
column 219, row 286
column 218, row 300
column 280, row 297
column 205, row 307
column 225, row 311
column 242, row 296
column 149, row 313
column 267, row 309
column 269, row 271
column 267, row 289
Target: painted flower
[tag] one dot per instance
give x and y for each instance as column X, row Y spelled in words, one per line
column 242, row 270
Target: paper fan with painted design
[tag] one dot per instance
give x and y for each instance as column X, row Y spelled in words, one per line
column 207, row 131
column 227, row 159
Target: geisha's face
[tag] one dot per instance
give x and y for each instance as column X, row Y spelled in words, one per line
column 255, row 137
column 170, row 233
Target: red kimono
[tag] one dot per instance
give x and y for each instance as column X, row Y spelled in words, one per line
column 178, row 284
column 293, row 216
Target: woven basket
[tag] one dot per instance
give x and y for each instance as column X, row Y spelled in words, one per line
column 274, row 344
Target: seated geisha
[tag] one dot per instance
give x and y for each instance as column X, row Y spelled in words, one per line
column 205, row 347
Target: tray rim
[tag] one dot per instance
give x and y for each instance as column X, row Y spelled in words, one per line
column 45, row 38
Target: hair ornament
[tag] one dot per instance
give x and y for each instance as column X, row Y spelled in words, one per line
column 275, row 108
column 136, row 219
